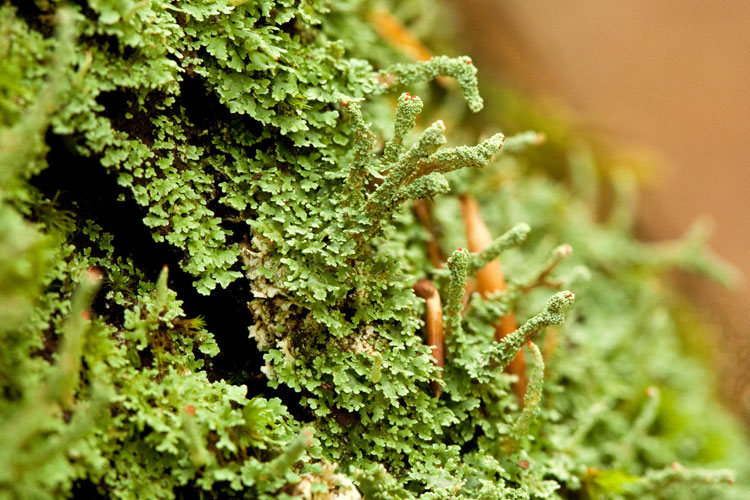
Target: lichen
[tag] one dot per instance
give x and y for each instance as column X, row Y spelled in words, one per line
column 225, row 168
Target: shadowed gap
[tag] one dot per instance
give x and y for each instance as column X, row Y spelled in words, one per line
column 83, row 186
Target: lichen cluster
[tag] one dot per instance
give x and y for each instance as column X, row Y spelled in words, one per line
column 271, row 153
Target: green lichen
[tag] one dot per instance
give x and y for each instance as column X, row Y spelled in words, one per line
column 260, row 150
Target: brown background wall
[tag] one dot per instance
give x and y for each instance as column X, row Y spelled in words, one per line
column 672, row 75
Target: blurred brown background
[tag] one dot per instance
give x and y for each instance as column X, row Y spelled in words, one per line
column 673, row 76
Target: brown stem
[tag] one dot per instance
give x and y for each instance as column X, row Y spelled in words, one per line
column 469, row 288
column 434, row 326
column 392, row 30
column 395, row 33
column 422, row 209
column 490, row 280
column 544, row 277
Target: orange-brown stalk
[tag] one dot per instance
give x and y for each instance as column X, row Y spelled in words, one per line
column 434, row 325
column 422, row 209
column 395, row 33
column 490, row 280
column 392, row 30
column 469, row 288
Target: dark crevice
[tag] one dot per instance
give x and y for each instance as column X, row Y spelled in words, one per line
column 118, row 104
column 39, row 20
column 84, row 187
column 209, row 113
column 87, row 490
